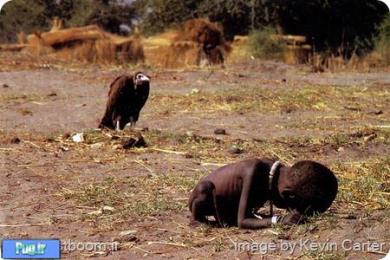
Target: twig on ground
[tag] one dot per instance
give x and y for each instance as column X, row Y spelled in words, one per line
column 167, row 151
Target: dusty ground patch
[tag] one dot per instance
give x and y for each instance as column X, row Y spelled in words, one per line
column 92, row 191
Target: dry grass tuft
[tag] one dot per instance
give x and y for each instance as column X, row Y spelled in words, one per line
column 333, row 63
column 163, row 194
column 89, row 44
column 36, row 46
column 364, row 185
column 204, row 32
column 182, row 54
column 250, row 99
column 22, row 38
column 186, row 46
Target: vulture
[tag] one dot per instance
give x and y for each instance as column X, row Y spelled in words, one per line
column 126, row 97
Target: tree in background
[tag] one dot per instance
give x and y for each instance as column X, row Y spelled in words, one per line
column 110, row 15
column 29, row 16
column 337, row 26
column 21, row 15
column 233, row 15
column 341, row 27
column 73, row 13
column 158, row 15
column 382, row 45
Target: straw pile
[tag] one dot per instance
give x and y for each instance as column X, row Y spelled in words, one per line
column 297, row 51
column 89, row 43
column 196, row 42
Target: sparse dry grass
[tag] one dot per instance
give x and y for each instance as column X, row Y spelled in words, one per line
column 152, row 191
column 139, row 196
column 363, row 183
column 252, row 99
column 19, row 99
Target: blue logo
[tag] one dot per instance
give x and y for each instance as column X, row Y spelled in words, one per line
column 30, row 249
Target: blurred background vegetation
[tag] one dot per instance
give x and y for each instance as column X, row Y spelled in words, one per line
column 383, row 40
column 342, row 27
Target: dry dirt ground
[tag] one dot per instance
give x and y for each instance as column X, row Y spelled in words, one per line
column 52, row 187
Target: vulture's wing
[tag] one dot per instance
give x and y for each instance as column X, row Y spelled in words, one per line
column 113, row 83
column 122, row 90
column 120, row 94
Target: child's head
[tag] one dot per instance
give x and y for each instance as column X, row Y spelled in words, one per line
column 308, row 187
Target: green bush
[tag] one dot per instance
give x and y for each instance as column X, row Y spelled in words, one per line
column 383, row 41
column 263, row 45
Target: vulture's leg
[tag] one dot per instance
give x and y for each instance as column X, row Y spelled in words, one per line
column 118, row 123
column 132, row 122
column 117, row 126
column 116, row 120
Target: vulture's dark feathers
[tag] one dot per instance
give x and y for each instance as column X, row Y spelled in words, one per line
column 126, row 97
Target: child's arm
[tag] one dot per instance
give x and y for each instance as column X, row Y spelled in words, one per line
column 293, row 218
column 247, row 221
column 244, row 219
column 288, row 220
